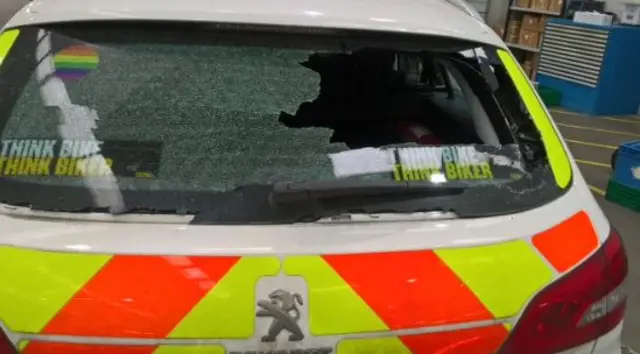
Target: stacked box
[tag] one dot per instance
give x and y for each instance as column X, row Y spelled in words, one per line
column 527, row 65
column 532, row 29
column 624, row 186
column 513, row 31
column 528, row 68
column 623, row 195
column 529, row 38
column 540, row 4
column 555, row 6
column 530, row 22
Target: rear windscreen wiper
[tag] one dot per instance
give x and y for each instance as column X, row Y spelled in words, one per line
column 287, row 193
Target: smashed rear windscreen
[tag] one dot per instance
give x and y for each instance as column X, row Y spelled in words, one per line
column 96, row 117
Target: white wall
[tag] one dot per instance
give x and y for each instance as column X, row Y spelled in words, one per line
column 497, row 13
column 479, row 5
column 616, row 6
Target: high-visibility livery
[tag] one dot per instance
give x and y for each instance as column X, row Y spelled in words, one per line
column 375, row 294
column 174, row 182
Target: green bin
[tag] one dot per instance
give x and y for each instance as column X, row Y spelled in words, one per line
column 549, row 96
column 623, row 195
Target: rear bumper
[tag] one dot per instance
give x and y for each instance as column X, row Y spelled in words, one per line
column 610, row 343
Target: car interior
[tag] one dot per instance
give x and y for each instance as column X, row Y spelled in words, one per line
column 377, row 97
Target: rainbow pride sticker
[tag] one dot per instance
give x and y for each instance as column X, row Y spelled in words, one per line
column 76, row 62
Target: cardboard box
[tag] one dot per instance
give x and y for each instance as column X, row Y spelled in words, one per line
column 513, row 31
column 528, row 65
column 542, row 23
column 522, row 3
column 540, row 4
column 529, row 38
column 528, row 69
column 531, row 22
column 513, row 37
column 555, row 6
column 514, row 24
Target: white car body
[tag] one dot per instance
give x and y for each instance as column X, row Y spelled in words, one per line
column 168, row 235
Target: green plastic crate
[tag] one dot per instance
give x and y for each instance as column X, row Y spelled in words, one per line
column 549, row 96
column 622, row 195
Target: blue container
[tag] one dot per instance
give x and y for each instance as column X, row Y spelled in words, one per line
column 627, row 170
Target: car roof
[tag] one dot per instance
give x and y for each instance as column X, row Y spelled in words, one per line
column 450, row 18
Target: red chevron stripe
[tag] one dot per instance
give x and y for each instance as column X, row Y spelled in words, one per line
column 65, row 348
column 409, row 289
column 569, row 242
column 139, row 296
column 485, row 340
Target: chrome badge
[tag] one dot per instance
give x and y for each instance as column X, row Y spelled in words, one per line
column 282, row 306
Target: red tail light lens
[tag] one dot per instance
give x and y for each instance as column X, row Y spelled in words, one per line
column 585, row 304
column 6, row 347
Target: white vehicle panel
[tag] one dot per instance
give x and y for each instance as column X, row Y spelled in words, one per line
column 338, row 237
column 428, row 17
column 610, row 343
column 586, row 348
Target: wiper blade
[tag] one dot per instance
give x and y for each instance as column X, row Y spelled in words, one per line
column 287, row 193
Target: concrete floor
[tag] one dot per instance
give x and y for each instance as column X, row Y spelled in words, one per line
column 592, row 141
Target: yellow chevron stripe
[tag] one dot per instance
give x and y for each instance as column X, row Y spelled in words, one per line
column 7, row 39
column 167, row 349
column 503, row 276
column 334, row 307
column 37, row 284
column 188, row 349
column 387, row 345
column 22, row 345
column 228, row 310
column 558, row 158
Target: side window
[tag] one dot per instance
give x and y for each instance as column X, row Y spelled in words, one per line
column 454, row 94
column 443, row 89
column 451, row 98
column 512, row 102
column 454, row 83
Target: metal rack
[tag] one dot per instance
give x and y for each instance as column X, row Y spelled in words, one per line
column 526, row 50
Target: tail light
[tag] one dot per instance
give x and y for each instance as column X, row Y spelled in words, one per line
column 585, row 304
column 6, row 347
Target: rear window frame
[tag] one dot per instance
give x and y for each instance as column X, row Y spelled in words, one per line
column 80, row 198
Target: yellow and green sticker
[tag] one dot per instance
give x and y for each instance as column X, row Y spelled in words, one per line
column 557, row 155
column 7, row 39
